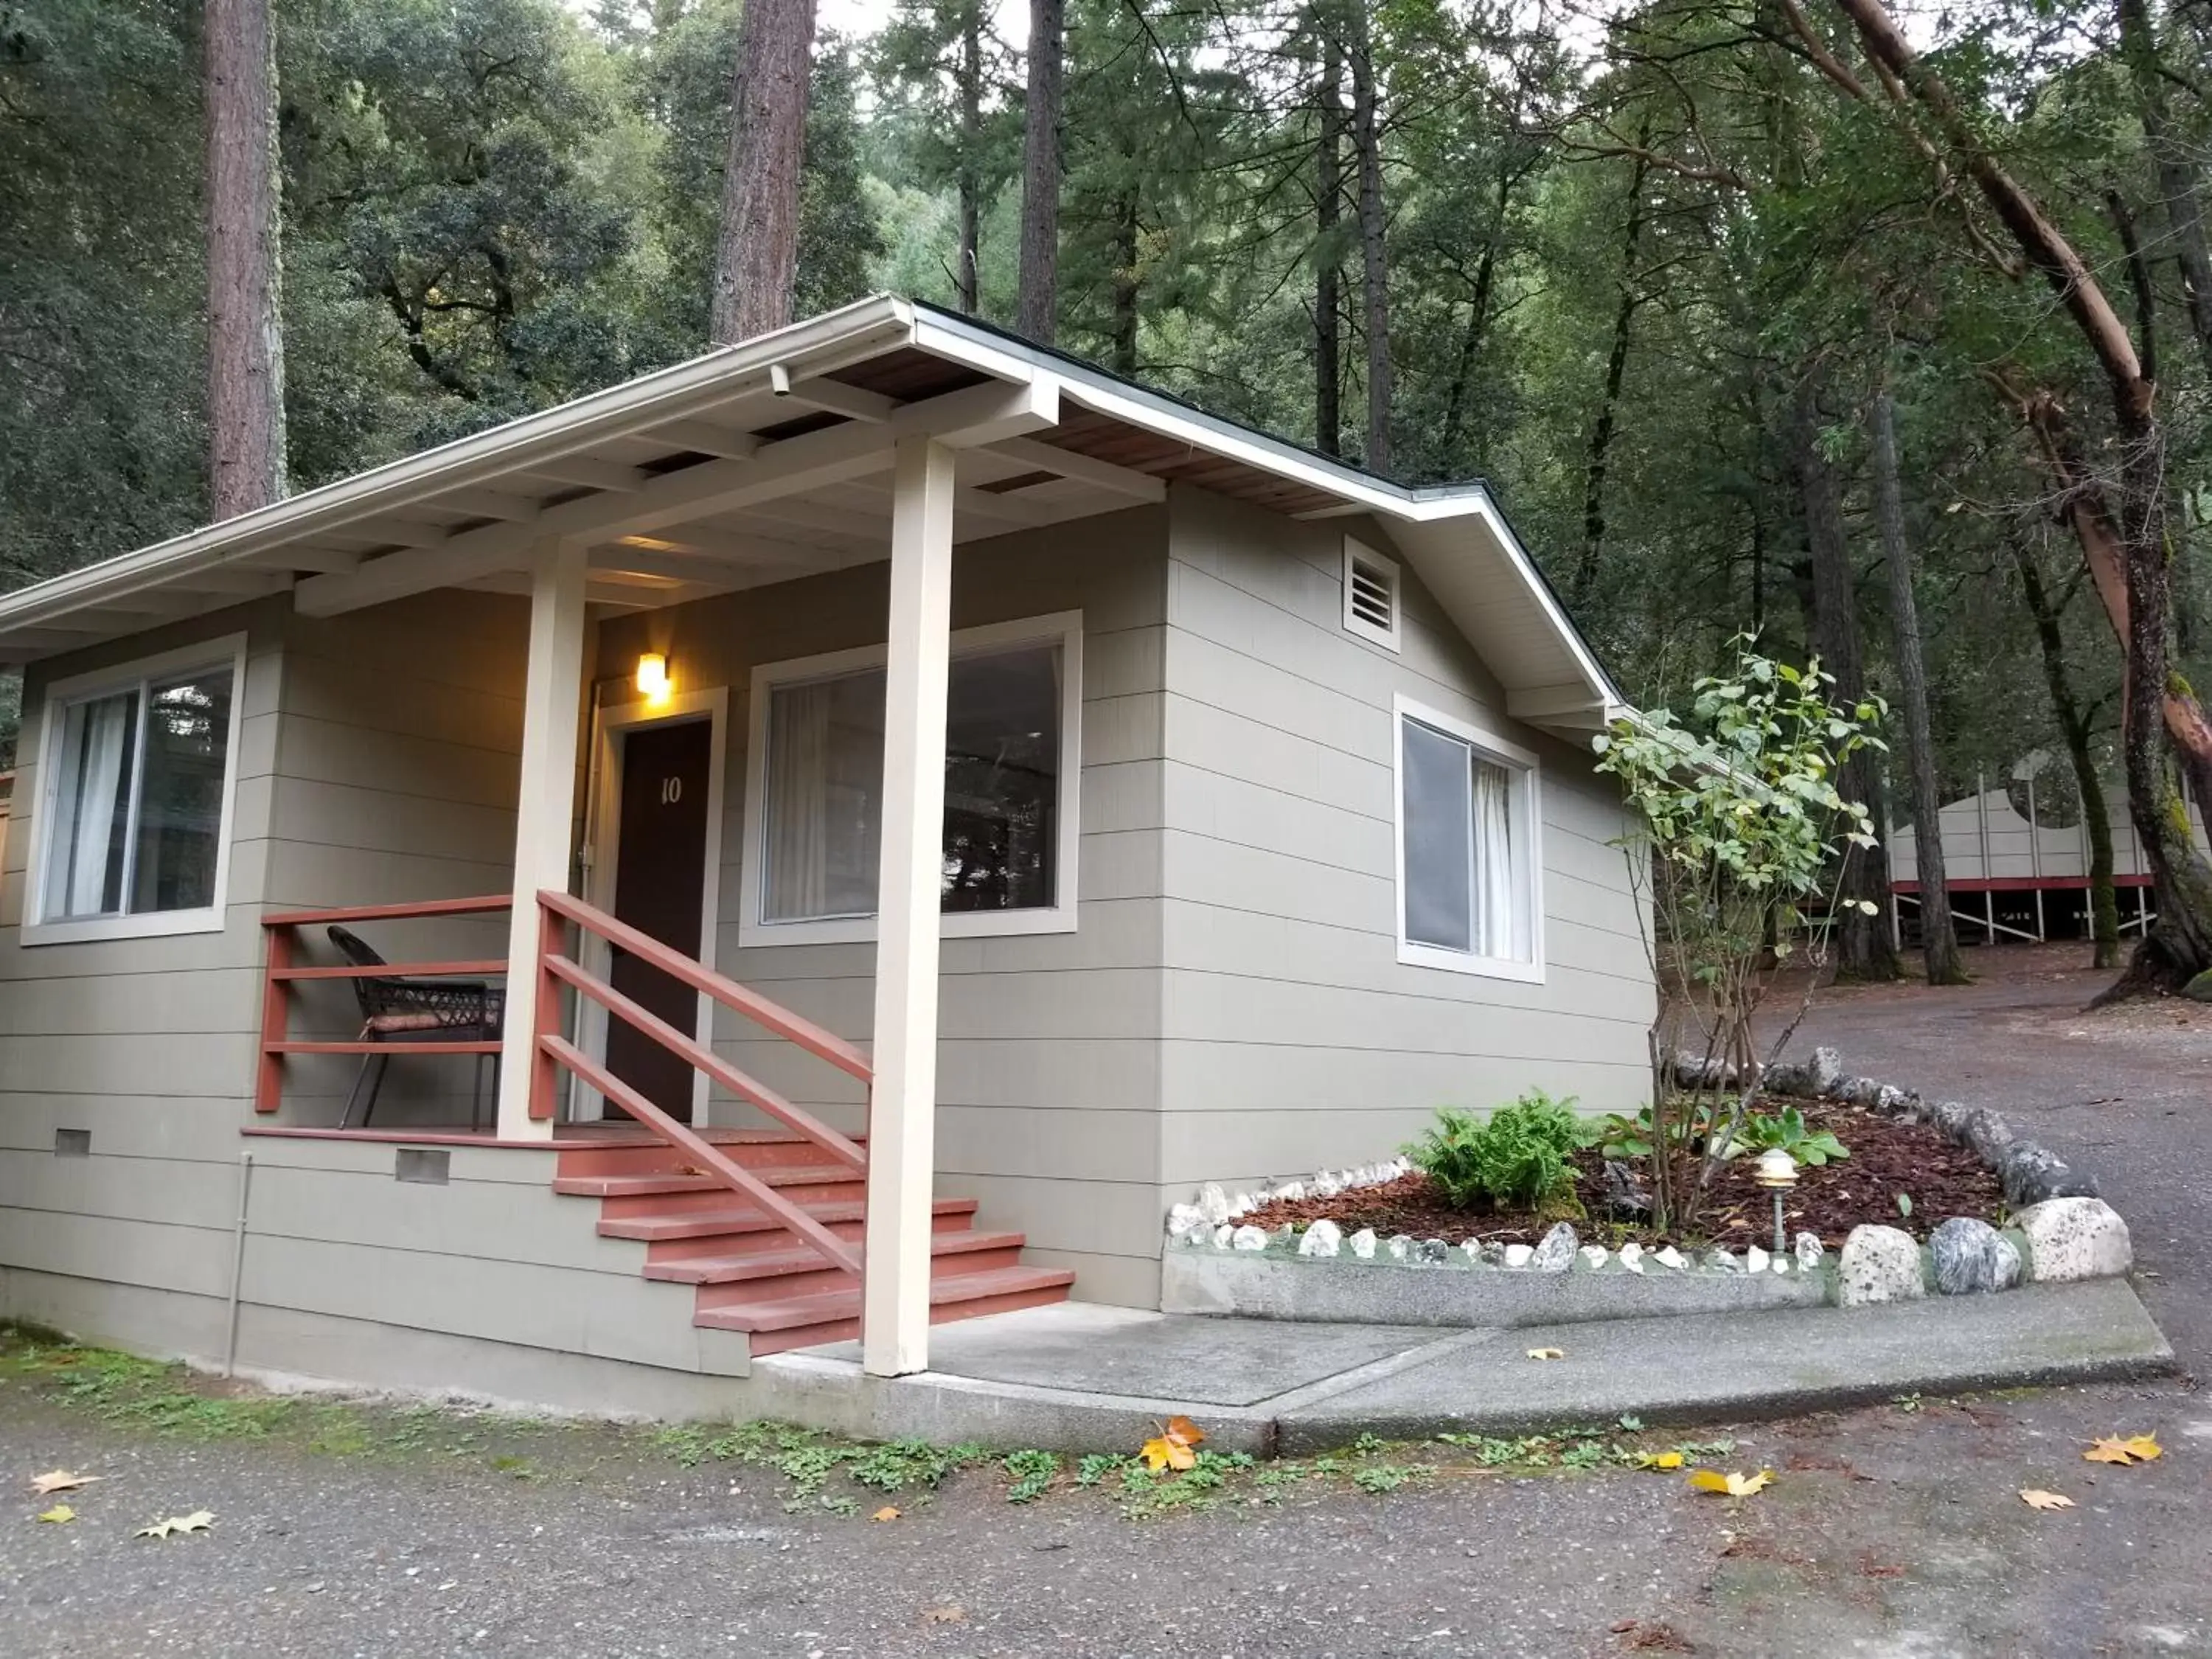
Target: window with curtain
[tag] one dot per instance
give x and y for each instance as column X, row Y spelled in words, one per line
column 822, row 817
column 135, row 820
column 1466, row 827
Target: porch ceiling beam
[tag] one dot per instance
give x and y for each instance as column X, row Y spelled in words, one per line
column 374, row 535
column 837, row 521
column 707, row 559
column 1336, row 510
column 833, row 396
column 977, row 414
column 240, row 582
column 317, row 559
column 705, row 438
column 475, row 502
column 585, row 470
column 1044, row 456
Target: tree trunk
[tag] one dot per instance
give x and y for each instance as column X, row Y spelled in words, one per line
column 1038, row 313
column 1939, row 940
column 2124, row 538
column 2176, row 181
column 1373, row 274
column 1121, row 355
column 1478, row 307
column 756, row 255
column 1616, row 367
column 971, row 139
column 2074, row 727
column 1328, row 212
column 246, row 334
column 1863, row 942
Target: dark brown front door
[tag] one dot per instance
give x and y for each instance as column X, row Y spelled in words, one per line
column 661, row 873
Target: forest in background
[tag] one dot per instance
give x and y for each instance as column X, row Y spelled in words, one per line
column 1887, row 334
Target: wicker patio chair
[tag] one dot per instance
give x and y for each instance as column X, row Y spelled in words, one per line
column 397, row 1010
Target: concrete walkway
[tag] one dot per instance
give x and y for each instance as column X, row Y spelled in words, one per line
column 1082, row 1378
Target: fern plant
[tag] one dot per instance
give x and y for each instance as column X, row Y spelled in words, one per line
column 1519, row 1156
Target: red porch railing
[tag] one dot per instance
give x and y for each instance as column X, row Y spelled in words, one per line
column 281, row 975
column 556, row 967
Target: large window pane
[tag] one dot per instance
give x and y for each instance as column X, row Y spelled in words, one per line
column 1002, row 781
column 88, row 851
column 824, row 815
column 1438, row 828
column 181, row 793
column 825, row 774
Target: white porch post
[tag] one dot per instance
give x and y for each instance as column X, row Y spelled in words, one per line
column 903, row 1109
column 543, row 808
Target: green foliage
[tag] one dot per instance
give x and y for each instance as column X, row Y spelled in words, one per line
column 1760, row 1131
column 1693, row 1124
column 1033, row 1471
column 1517, row 1157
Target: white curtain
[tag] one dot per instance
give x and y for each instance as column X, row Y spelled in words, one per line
column 798, row 861
column 92, row 795
column 1495, row 906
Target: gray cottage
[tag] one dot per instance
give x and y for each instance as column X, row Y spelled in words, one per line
column 835, row 836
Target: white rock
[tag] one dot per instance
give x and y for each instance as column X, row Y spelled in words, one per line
column 1248, row 1238
column 1878, row 1264
column 1401, row 1248
column 1779, row 1265
column 1809, row 1252
column 1631, row 1256
column 1595, row 1254
column 1754, row 1259
column 1186, row 1218
column 2070, row 1238
column 1214, row 1203
column 1721, row 1261
column 1520, row 1256
column 1325, row 1185
column 1223, row 1235
column 1670, row 1257
column 1472, row 1249
column 1362, row 1243
column 1290, row 1189
column 1323, row 1238
column 1242, row 1204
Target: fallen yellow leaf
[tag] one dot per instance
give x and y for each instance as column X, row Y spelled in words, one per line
column 1183, row 1429
column 2136, row 1448
column 889, row 1512
column 197, row 1521
column 1172, row 1448
column 60, row 1480
column 1732, row 1485
column 1547, row 1353
column 946, row 1615
column 2036, row 1498
column 1670, row 1460
column 60, row 1514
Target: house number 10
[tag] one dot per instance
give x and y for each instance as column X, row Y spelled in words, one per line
column 672, row 791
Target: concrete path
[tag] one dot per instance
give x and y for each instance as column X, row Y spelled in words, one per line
column 1080, row 1378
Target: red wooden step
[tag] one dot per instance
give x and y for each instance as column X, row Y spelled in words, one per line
column 834, row 1315
column 679, row 1194
column 946, row 1248
column 617, row 1155
column 744, row 1219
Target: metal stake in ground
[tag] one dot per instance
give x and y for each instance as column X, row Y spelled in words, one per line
column 1777, row 1171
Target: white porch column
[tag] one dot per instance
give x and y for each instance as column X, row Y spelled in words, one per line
column 903, row 1110
column 544, row 808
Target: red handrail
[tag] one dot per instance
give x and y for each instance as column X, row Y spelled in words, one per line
column 281, row 975
column 552, row 1050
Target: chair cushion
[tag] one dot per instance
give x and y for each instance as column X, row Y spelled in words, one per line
column 424, row 1020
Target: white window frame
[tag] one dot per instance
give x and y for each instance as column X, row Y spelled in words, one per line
column 138, row 676
column 1063, row 628
column 1389, row 638
column 1528, row 816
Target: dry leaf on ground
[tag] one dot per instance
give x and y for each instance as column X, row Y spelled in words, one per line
column 1661, row 1460
column 60, row 1514
column 1174, row 1447
column 2134, row 1449
column 949, row 1615
column 2036, row 1498
column 60, row 1480
column 1547, row 1353
column 889, row 1512
column 1733, row 1485
column 197, row 1521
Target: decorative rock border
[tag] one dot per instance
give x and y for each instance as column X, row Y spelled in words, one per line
column 2061, row 1230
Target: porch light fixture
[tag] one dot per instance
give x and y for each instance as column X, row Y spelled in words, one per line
column 1777, row 1171
column 653, row 681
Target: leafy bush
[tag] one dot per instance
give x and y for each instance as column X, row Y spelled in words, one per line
column 1761, row 1130
column 1518, row 1157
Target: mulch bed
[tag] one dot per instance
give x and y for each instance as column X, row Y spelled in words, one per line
column 1888, row 1157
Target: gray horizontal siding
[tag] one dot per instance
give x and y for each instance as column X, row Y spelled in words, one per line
column 1292, row 1035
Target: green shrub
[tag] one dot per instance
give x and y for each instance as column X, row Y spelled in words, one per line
column 1517, row 1158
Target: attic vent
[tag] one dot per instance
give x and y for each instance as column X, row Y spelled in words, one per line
column 1370, row 594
